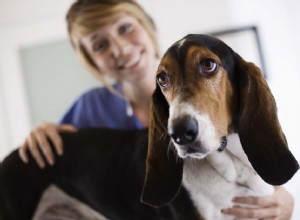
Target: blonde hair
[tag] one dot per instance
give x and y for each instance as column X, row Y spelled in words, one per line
column 87, row 16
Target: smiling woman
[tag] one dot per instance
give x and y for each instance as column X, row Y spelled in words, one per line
column 115, row 39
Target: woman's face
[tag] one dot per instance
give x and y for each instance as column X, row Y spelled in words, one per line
column 122, row 48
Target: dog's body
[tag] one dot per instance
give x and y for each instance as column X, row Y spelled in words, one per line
column 222, row 125
column 101, row 167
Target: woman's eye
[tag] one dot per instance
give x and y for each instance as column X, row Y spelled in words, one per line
column 125, row 28
column 208, row 66
column 163, row 80
column 100, row 46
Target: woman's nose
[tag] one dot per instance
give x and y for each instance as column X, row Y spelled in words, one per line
column 119, row 48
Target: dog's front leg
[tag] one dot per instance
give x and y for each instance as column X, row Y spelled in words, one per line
column 223, row 164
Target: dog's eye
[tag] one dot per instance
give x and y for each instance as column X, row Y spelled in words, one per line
column 208, row 66
column 163, row 80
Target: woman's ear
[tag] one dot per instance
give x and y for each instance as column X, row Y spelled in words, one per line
column 163, row 168
column 258, row 126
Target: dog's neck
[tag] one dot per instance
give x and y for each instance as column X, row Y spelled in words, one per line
column 223, row 162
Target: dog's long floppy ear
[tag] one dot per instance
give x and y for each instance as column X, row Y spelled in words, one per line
column 163, row 168
column 260, row 132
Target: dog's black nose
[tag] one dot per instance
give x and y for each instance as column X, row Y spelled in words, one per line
column 184, row 130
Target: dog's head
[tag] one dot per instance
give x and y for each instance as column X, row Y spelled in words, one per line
column 205, row 91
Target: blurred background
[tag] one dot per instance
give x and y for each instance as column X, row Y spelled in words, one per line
column 40, row 76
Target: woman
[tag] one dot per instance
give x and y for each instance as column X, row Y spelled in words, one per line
column 117, row 38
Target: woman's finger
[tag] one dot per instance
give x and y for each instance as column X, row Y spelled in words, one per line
column 252, row 213
column 35, row 152
column 44, row 145
column 56, row 140
column 22, row 152
column 67, row 128
column 265, row 201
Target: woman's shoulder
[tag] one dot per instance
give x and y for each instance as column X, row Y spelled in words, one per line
column 101, row 93
column 96, row 107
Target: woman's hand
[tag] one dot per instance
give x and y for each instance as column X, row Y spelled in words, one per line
column 37, row 143
column 278, row 206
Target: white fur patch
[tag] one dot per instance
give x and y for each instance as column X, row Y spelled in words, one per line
column 215, row 180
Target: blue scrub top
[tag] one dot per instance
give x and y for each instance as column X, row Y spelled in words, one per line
column 101, row 108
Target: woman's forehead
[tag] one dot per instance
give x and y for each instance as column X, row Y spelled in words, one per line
column 107, row 23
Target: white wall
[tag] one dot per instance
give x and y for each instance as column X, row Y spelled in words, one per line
column 22, row 23
column 34, row 21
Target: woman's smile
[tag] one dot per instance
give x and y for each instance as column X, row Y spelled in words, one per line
column 131, row 63
column 134, row 68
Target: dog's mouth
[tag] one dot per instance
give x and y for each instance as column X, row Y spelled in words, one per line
column 194, row 150
column 195, row 155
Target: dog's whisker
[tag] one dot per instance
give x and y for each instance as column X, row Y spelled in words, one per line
column 172, row 150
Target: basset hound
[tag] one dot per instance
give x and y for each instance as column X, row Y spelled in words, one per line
column 214, row 129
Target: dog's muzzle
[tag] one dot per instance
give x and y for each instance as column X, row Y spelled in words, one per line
column 184, row 130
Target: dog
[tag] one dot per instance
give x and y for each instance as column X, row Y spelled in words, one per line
column 103, row 168
column 214, row 129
